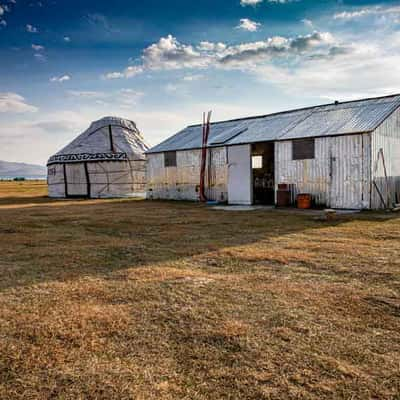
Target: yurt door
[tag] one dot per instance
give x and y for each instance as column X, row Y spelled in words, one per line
column 76, row 176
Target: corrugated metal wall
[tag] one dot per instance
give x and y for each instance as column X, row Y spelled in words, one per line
column 182, row 182
column 337, row 177
column 387, row 138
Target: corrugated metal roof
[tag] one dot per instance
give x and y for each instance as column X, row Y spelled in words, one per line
column 326, row 120
column 228, row 134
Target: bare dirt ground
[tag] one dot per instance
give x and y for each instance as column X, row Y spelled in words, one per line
column 127, row 299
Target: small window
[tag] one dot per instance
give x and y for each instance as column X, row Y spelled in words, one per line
column 257, row 162
column 170, row 159
column 303, row 149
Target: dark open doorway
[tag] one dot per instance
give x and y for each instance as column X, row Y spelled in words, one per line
column 263, row 161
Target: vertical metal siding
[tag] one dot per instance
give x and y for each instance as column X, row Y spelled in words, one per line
column 387, row 138
column 304, row 176
column 217, row 176
column 346, row 157
column 350, row 171
column 181, row 182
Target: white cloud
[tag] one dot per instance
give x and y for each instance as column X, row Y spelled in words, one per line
column 192, row 78
column 169, row 54
column 248, row 25
column 40, row 57
column 244, row 3
column 60, row 79
column 367, row 11
column 209, row 46
column 308, row 23
column 4, row 8
column 129, row 95
column 171, row 88
column 342, row 77
column 14, row 103
column 31, row 28
column 86, row 94
column 128, row 72
column 52, row 130
column 53, row 126
column 253, row 53
column 114, row 75
column 67, row 39
column 124, row 98
column 37, row 47
column 132, row 71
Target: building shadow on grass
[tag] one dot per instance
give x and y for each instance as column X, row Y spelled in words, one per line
column 45, row 240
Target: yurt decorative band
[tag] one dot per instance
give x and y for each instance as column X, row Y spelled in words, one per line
column 87, row 157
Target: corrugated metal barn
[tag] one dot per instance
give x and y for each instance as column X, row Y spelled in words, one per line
column 346, row 155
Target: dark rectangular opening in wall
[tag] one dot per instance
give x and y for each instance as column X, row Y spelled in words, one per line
column 170, row 159
column 303, row 149
column 263, row 163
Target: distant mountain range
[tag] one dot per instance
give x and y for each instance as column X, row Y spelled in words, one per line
column 15, row 169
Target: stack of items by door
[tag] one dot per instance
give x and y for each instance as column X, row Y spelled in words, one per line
column 283, row 195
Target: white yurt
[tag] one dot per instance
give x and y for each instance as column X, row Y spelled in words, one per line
column 107, row 160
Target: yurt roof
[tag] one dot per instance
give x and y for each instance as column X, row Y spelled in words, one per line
column 108, row 139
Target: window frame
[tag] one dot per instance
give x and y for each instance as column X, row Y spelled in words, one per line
column 169, row 159
column 301, row 151
column 257, row 157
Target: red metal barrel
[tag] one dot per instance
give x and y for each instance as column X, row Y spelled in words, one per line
column 304, row 200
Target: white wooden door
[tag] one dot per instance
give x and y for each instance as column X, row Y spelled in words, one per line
column 239, row 175
column 76, row 179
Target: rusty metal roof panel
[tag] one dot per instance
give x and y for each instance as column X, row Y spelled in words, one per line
column 326, row 120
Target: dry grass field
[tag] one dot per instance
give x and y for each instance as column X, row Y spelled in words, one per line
column 127, row 299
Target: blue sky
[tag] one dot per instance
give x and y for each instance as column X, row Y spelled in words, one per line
column 66, row 63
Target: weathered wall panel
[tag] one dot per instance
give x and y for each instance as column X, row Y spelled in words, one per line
column 217, row 176
column 182, row 182
column 337, row 177
column 387, row 138
column 55, row 180
column 350, row 172
column 76, row 179
column 106, row 179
